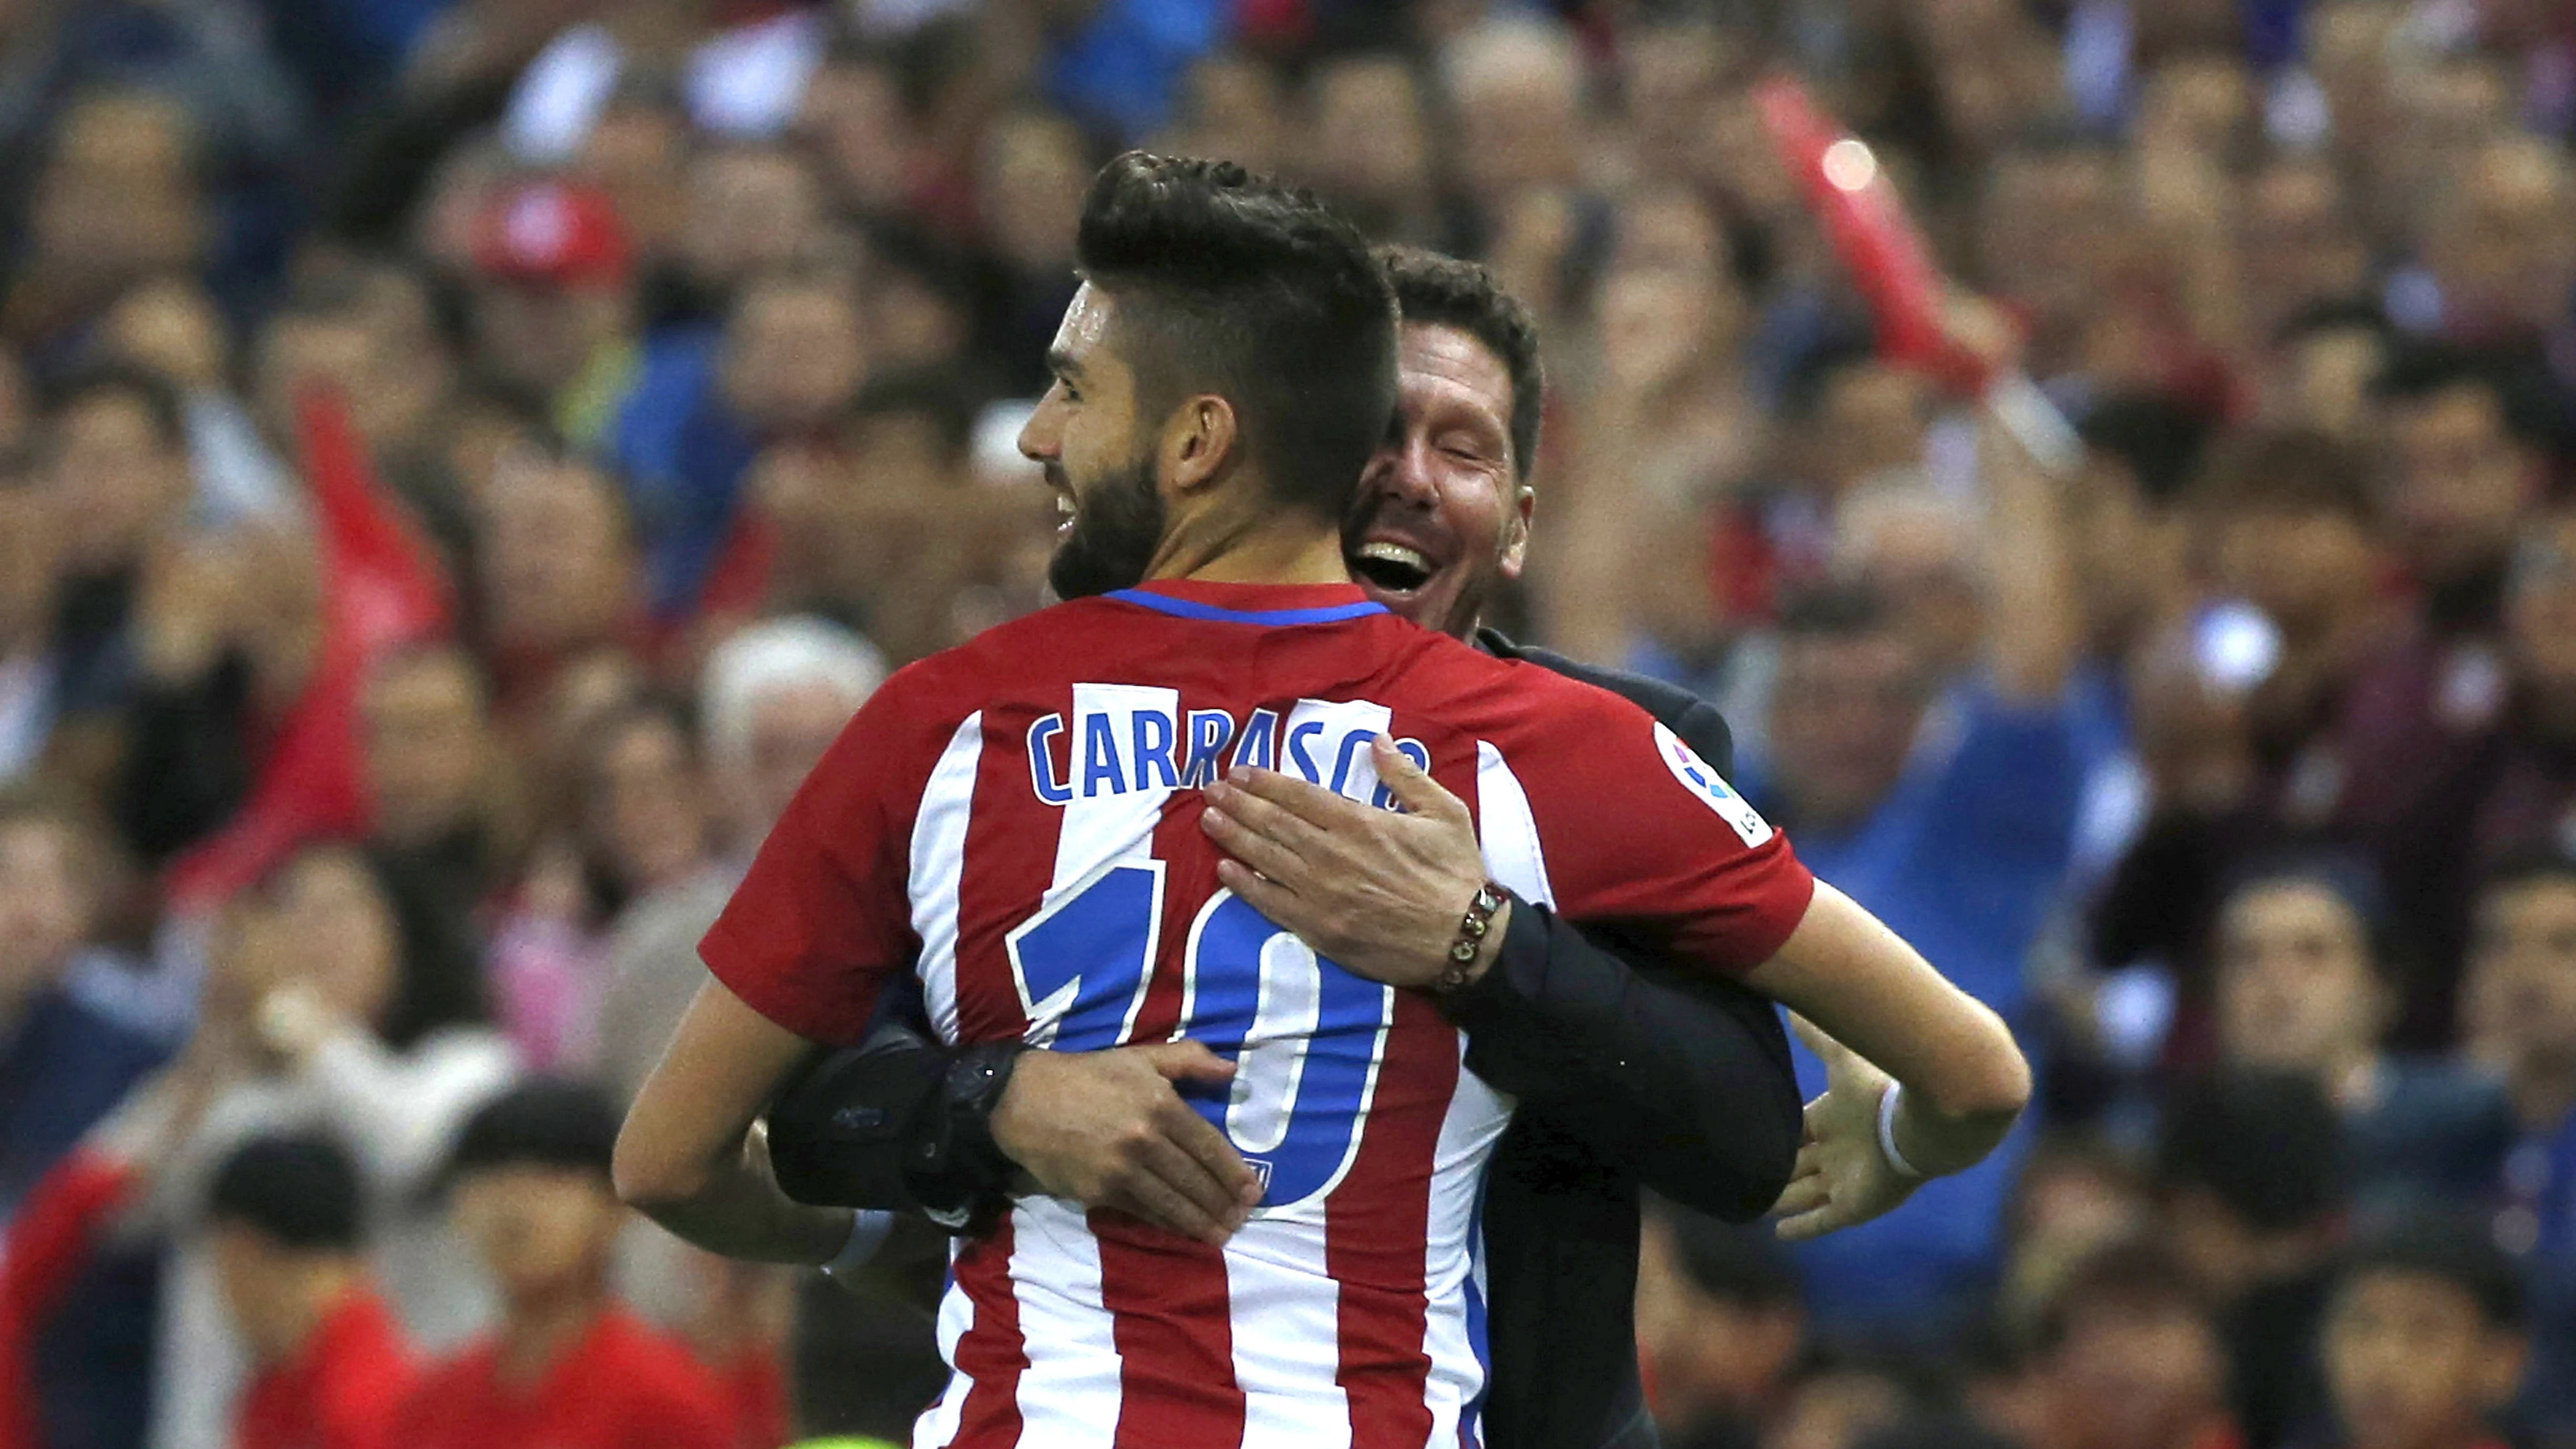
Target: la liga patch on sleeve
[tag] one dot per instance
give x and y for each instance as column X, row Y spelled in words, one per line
column 1703, row 781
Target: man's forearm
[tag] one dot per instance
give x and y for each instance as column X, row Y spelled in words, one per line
column 736, row 1209
column 1689, row 1083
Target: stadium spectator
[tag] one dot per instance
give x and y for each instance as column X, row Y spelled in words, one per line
column 643, row 835
column 528, row 1187
column 1720, row 1327
column 120, row 198
column 773, row 698
column 2075, row 1197
column 2306, row 985
column 2131, row 1358
column 2424, row 1340
column 1956, row 837
column 554, row 301
column 285, row 1220
column 70, row 1043
column 371, row 333
column 2521, row 790
column 438, row 842
column 2249, row 1167
column 2521, row 1007
column 750, row 208
column 116, row 469
column 30, row 555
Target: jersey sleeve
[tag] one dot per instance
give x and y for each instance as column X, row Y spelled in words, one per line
column 825, row 913
column 1641, row 834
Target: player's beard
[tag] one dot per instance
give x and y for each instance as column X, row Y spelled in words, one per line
column 1117, row 527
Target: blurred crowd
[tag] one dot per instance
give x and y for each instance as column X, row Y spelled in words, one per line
column 461, row 461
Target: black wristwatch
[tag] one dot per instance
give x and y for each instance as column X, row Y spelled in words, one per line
column 958, row 1170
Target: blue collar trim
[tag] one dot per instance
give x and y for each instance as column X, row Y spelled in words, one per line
column 1192, row 609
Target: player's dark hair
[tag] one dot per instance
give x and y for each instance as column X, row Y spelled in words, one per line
column 1446, row 291
column 2266, row 1144
column 160, row 400
column 543, row 1122
column 2517, row 378
column 2287, row 471
column 300, row 1191
column 2450, row 1250
column 1234, row 285
column 2159, row 440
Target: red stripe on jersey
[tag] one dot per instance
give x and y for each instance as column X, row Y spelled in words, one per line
column 1008, row 860
column 1376, row 1226
column 992, row 1354
column 1167, row 1300
column 1167, row 1295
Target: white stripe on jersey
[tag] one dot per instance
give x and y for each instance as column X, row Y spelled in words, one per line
column 1069, row 1394
column 1510, row 831
column 1286, row 1313
column 937, row 1427
column 1474, row 1123
column 938, row 860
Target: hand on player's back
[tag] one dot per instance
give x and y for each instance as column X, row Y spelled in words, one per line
column 1107, row 1130
column 1842, row 1178
column 1380, row 893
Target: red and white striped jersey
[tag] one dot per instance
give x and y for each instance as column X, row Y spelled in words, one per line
column 1017, row 821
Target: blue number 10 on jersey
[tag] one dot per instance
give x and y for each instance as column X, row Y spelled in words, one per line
column 1305, row 1035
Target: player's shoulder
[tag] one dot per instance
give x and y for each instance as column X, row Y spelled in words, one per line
column 1042, row 642
column 1531, row 686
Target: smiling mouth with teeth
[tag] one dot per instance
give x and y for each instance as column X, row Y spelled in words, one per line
column 1392, row 566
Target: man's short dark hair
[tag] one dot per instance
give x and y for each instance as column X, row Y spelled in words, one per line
column 2159, row 440
column 2350, row 878
column 1235, row 285
column 2538, row 863
column 1836, row 610
column 2449, row 1249
column 2123, row 1281
column 2288, row 470
column 1445, row 291
column 1733, row 1264
column 544, row 1122
column 933, row 395
column 2266, row 1144
column 160, row 400
column 2336, row 314
column 2517, row 378
column 299, row 1191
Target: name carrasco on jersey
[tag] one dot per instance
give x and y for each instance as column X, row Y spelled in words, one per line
column 1113, row 751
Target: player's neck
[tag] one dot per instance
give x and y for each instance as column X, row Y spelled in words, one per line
column 1269, row 550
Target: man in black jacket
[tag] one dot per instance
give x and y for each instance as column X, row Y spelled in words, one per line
column 1627, row 1073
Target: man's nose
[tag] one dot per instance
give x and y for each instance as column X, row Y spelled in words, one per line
column 1407, row 477
column 1037, row 441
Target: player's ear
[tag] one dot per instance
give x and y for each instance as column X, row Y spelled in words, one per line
column 1198, row 441
column 1516, row 529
